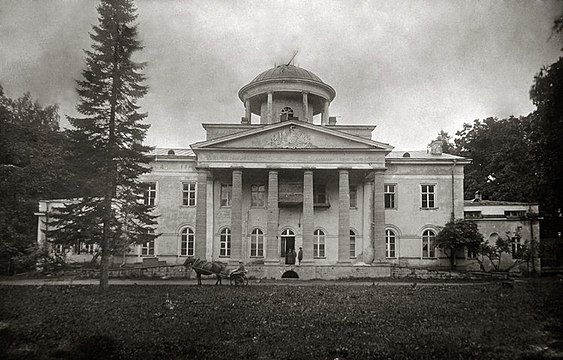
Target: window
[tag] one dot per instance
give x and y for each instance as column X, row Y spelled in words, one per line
column 59, row 249
column 516, row 247
column 257, row 243
column 286, row 114
column 428, row 196
column 319, row 195
column 147, row 249
column 319, row 244
column 83, row 248
column 472, row 251
column 225, row 245
column 390, row 196
column 187, row 242
column 226, row 194
column 352, row 244
column 150, row 194
column 472, row 214
column 428, row 247
column 515, row 213
column 188, row 194
column 353, row 196
column 390, row 243
column 257, row 193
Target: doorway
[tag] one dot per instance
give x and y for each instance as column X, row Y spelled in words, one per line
column 287, row 244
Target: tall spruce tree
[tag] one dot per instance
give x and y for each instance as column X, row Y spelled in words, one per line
column 108, row 141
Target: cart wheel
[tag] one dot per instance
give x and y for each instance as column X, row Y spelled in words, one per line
column 239, row 280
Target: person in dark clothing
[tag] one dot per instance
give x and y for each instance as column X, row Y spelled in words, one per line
column 300, row 255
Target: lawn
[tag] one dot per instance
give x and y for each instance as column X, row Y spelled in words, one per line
column 488, row 321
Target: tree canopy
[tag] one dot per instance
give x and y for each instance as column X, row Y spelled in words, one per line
column 458, row 235
column 108, row 141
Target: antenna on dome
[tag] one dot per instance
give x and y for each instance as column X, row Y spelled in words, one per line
column 293, row 57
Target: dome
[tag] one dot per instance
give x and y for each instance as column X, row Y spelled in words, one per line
column 286, row 72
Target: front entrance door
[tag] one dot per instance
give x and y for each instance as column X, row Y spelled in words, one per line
column 287, row 244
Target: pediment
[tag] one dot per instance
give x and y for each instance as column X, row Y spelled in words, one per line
column 291, row 135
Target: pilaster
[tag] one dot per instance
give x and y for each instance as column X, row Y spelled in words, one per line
column 325, row 114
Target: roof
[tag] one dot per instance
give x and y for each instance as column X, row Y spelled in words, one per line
column 176, row 152
column 472, row 202
column 286, row 72
column 422, row 154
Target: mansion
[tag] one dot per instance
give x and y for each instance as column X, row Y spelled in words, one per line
column 289, row 177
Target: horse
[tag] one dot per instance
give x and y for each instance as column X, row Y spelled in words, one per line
column 204, row 267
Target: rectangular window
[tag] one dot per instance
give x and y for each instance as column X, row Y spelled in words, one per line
column 472, row 214
column 226, row 194
column 189, row 194
column 147, row 249
column 390, row 196
column 515, row 213
column 428, row 196
column 353, row 196
column 150, row 194
column 258, row 195
column 516, row 247
column 319, row 195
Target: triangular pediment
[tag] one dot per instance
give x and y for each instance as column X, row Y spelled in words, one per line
column 291, row 135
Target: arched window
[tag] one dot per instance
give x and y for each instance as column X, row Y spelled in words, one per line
column 428, row 247
column 286, row 114
column 390, row 243
column 319, row 244
column 352, row 244
column 225, row 245
column 257, row 243
column 187, row 242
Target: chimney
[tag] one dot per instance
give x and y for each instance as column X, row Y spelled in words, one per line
column 332, row 120
column 244, row 120
column 478, row 196
column 436, row 147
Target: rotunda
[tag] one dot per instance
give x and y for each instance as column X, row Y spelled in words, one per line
column 286, row 92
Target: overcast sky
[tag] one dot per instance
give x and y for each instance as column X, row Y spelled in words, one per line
column 411, row 68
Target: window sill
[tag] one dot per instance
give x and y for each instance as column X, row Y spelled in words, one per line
column 188, row 206
column 393, row 208
column 225, row 256
column 319, row 257
column 429, row 208
column 429, row 258
column 257, row 257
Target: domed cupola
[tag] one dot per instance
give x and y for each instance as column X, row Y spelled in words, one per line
column 286, row 92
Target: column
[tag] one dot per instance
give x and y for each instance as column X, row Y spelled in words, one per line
column 308, row 218
column 272, row 254
column 379, row 215
column 305, row 107
column 247, row 113
column 343, row 217
column 201, row 215
column 270, row 114
column 324, row 115
column 236, row 217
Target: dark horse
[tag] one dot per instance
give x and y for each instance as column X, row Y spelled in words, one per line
column 204, row 267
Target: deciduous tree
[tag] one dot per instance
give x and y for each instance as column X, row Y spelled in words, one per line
column 458, row 235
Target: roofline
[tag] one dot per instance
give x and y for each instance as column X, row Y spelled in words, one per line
column 320, row 128
column 252, row 84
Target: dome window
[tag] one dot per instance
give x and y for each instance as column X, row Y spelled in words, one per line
column 286, row 114
column 171, row 152
column 406, row 155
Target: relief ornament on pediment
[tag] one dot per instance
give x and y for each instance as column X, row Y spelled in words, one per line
column 290, row 138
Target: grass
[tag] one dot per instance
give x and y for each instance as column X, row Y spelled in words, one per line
column 281, row 322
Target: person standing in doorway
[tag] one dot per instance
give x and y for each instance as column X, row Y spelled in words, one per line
column 300, row 255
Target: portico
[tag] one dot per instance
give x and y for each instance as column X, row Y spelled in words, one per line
column 297, row 176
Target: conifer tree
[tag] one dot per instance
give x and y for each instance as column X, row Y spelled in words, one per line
column 108, row 140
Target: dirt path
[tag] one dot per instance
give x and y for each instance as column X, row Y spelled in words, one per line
column 185, row 282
